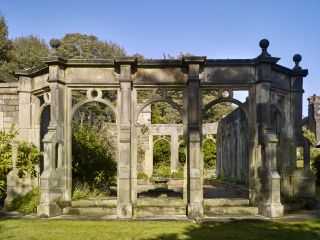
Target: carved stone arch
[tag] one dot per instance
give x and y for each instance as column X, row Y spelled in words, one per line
column 83, row 102
column 170, row 102
column 230, row 100
column 38, row 114
column 160, row 139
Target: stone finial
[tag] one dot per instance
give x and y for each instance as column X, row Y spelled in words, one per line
column 264, row 44
column 54, row 43
column 297, row 59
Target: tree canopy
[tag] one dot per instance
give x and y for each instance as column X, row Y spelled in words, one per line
column 76, row 45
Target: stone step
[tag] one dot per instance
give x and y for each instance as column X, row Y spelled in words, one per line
column 109, row 202
column 226, row 211
column 159, row 212
column 90, row 211
column 160, row 202
column 223, row 202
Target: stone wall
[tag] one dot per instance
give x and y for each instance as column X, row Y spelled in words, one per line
column 9, row 105
column 232, row 147
column 314, row 115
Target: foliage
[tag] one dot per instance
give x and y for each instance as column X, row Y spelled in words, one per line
column 26, row 162
column 177, row 175
column 27, row 52
column 209, row 154
column 5, row 157
column 161, row 153
column 26, row 203
column 142, row 175
column 27, row 159
column 182, row 153
column 162, row 170
column 84, row 191
column 94, row 156
column 310, row 136
column 5, row 43
column 218, row 111
column 164, row 113
column 76, row 45
column 315, row 164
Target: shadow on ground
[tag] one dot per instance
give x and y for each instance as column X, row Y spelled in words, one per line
column 247, row 230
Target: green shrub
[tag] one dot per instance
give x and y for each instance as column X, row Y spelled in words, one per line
column 177, row 175
column 26, row 162
column 161, row 152
column 209, row 154
column 84, row 191
column 94, row 157
column 161, row 170
column 142, row 175
column 316, row 168
column 26, row 203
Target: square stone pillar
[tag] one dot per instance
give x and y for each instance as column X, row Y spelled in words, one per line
column 125, row 206
column 270, row 204
column 54, row 179
column 174, row 152
column 193, row 136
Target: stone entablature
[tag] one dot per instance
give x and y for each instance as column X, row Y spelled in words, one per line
column 270, row 86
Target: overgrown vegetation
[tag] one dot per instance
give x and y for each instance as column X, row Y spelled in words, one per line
column 26, row 203
column 94, row 157
column 314, row 154
column 26, row 162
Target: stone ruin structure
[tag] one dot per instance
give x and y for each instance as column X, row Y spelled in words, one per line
column 312, row 122
column 256, row 143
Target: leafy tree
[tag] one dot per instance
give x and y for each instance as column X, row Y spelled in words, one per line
column 5, row 43
column 76, row 45
column 5, row 46
column 27, row 52
column 164, row 113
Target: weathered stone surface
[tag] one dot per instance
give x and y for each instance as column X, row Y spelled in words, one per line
column 256, row 146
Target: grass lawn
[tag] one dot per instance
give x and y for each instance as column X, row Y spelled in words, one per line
column 77, row 229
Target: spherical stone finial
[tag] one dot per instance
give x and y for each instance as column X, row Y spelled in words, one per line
column 264, row 43
column 297, row 58
column 54, row 43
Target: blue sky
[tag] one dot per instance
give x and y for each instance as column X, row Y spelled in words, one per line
column 216, row 29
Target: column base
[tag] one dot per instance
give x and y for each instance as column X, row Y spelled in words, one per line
column 195, row 210
column 48, row 210
column 271, row 209
column 125, row 211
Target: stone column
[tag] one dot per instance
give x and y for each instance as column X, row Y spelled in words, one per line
column 270, row 179
column 125, row 206
column 175, row 151
column 303, row 179
column 54, row 179
column 148, row 160
column 193, row 111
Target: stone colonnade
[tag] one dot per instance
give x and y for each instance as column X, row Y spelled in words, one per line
column 268, row 84
column 174, row 131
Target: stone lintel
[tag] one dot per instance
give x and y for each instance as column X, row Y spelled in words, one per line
column 194, row 59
